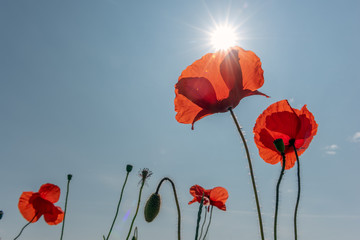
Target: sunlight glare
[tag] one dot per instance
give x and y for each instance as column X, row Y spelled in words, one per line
column 223, row 37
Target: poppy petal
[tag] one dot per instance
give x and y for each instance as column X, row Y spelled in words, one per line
column 308, row 127
column 50, row 192
column 230, row 70
column 198, row 90
column 252, row 73
column 26, row 208
column 186, row 109
column 55, row 216
column 209, row 67
column 218, row 197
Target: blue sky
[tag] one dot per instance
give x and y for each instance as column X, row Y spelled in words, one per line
column 87, row 87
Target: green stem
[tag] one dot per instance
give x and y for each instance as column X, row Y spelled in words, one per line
column 207, row 229
column 202, row 227
column 199, row 217
column 137, row 208
column 251, row 173
column 24, row 227
column 176, row 201
column 66, row 200
column 299, row 189
column 118, row 206
column 277, row 195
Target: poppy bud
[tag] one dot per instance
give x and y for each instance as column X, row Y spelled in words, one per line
column 152, row 207
column 129, row 168
column 279, row 144
column 69, row 176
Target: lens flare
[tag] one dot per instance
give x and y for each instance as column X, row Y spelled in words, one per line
column 223, row 37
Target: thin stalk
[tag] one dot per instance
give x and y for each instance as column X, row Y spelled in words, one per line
column 137, row 208
column 277, row 195
column 207, row 229
column 25, row 227
column 251, row 173
column 299, row 189
column 66, row 200
column 176, row 201
column 118, row 206
column 202, row 227
column 199, row 217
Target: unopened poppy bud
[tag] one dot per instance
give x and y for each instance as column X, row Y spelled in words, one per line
column 152, row 207
column 69, row 176
column 279, row 144
column 129, row 168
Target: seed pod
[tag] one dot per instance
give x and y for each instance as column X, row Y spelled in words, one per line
column 152, row 207
column 279, row 144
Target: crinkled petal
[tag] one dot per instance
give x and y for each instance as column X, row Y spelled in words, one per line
column 54, row 216
column 252, row 73
column 218, row 197
column 26, row 208
column 50, row 192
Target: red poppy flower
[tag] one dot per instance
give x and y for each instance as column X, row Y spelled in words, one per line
column 215, row 197
column 42, row 203
column 217, row 82
column 280, row 120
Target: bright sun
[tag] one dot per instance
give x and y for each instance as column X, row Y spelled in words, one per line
column 223, row 37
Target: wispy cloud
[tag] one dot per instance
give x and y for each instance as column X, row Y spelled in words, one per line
column 356, row 137
column 331, row 149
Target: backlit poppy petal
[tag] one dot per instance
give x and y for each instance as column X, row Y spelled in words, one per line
column 218, row 197
column 50, row 192
column 41, row 203
column 230, row 70
column 26, row 208
column 198, row 90
column 209, row 67
column 217, row 82
column 280, row 120
column 186, row 109
column 253, row 74
column 55, row 216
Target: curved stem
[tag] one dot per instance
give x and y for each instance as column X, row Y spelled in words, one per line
column 199, row 216
column 299, row 189
column 202, row 227
column 137, row 208
column 118, row 206
column 251, row 173
column 176, row 201
column 25, row 227
column 66, row 200
column 277, row 195
column 207, row 229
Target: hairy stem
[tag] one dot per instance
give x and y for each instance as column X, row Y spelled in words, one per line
column 176, row 201
column 277, row 196
column 118, row 206
column 299, row 189
column 251, row 173
column 137, row 208
column 207, row 229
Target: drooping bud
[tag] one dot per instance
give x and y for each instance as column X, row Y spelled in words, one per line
column 279, row 144
column 69, row 176
column 152, row 207
column 129, row 168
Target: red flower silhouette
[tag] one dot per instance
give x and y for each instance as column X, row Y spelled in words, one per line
column 42, row 203
column 217, row 82
column 280, row 120
column 215, row 197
